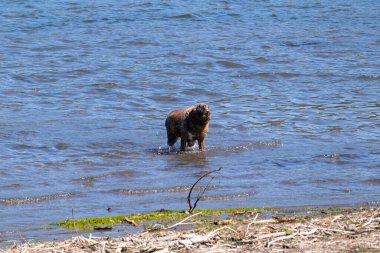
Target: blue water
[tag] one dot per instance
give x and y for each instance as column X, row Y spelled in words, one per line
column 85, row 87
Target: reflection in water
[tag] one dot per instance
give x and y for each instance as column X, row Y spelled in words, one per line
column 194, row 159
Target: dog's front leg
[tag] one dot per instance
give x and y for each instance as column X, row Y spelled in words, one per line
column 183, row 141
column 201, row 143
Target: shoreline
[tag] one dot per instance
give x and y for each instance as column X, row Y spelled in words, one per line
column 341, row 230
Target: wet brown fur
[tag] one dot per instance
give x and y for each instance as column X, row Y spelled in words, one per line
column 190, row 124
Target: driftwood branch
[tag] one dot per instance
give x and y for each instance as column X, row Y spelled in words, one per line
column 253, row 221
column 182, row 221
column 192, row 207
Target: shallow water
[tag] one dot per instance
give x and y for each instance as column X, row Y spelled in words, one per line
column 85, row 89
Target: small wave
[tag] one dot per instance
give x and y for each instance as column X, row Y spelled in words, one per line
column 27, row 147
column 48, row 48
column 196, row 92
column 330, row 156
column 161, row 190
column 326, row 181
column 165, row 150
column 261, row 59
column 215, row 150
column 342, row 190
column 373, row 181
column 258, row 144
column 12, row 186
column 335, row 156
column 34, row 199
column 230, row 64
column 81, row 71
column 113, row 154
column 369, row 77
column 228, row 196
column 164, row 98
column 27, row 133
column 89, row 180
column 137, row 43
column 61, row 146
column 304, row 43
column 22, row 146
column 89, row 21
column 182, row 16
column 107, row 85
column 292, row 182
column 276, row 74
column 326, row 75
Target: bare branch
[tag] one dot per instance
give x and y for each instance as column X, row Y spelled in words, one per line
column 191, row 207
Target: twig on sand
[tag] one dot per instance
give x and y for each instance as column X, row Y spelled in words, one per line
column 213, row 233
column 281, row 239
column 270, row 235
column 193, row 238
column 253, row 221
column 182, row 221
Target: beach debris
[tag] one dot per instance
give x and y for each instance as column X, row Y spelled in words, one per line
column 102, row 228
column 130, row 222
column 284, row 219
column 223, row 222
column 358, row 231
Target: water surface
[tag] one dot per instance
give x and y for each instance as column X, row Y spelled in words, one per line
column 85, row 88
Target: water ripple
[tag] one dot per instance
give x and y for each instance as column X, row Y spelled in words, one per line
column 161, row 190
column 228, row 196
column 34, row 199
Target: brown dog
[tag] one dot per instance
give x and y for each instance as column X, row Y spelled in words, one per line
column 190, row 124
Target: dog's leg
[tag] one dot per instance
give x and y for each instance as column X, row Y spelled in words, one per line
column 201, row 143
column 183, row 141
column 172, row 140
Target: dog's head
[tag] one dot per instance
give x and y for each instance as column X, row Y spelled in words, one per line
column 200, row 114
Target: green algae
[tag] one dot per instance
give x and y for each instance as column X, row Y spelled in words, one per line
column 150, row 219
column 84, row 224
